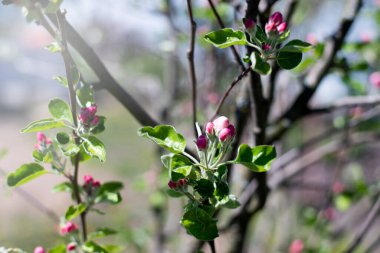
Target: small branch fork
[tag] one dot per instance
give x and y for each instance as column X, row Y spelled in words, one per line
column 190, row 57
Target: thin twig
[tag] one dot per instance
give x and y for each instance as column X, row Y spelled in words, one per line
column 232, row 85
column 70, row 80
column 368, row 222
column 212, row 246
column 190, row 57
column 222, row 25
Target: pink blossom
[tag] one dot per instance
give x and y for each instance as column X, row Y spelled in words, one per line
column 310, row 37
column 282, row 27
column 87, row 115
column 174, row 185
column 227, row 133
column 95, row 121
column 202, row 142
column 338, row 187
column 42, row 141
column 374, row 79
column 96, row 183
column 276, row 18
column 296, row 246
column 269, row 27
column 249, row 23
column 39, row 249
column 41, row 137
column 71, row 246
column 210, row 128
column 68, row 228
column 88, row 179
column 220, row 123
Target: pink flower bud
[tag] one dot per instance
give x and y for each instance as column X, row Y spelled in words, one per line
column 338, row 187
column 41, row 137
column 71, row 246
column 202, row 142
column 172, row 185
column 311, row 39
column 39, row 249
column 266, row 47
column 68, row 228
column 270, row 27
column 232, row 130
column 281, row 27
column 220, row 123
column 92, row 110
column 88, row 179
column 182, row 182
column 249, row 23
column 374, row 79
column 276, row 18
column 96, row 183
column 296, row 246
column 227, row 133
column 95, row 121
column 210, row 128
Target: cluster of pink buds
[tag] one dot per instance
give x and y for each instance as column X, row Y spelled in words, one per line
column 176, row 185
column 71, row 246
column 39, row 249
column 275, row 24
column 68, row 228
column 42, row 141
column 87, row 116
column 222, row 128
column 90, row 182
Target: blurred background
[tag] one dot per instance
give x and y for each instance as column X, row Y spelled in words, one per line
column 144, row 45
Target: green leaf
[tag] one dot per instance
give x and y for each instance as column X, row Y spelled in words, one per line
column 61, row 80
column 62, row 138
column 101, row 232
column 288, row 60
column 54, row 47
column 73, row 211
column 24, row 174
column 205, row 188
column 92, row 247
column 200, row 224
column 63, row 187
column 259, row 65
column 221, row 190
column 165, row 136
column 60, row 110
column 53, row 6
column 109, row 192
column 100, row 126
column 226, row 37
column 230, row 202
column 42, row 125
column 342, row 202
column 58, row 249
column 179, row 166
column 70, row 150
column 95, row 148
column 173, row 193
column 260, row 34
column 296, row 46
column 85, row 96
column 257, row 159
column 284, row 36
column 38, row 156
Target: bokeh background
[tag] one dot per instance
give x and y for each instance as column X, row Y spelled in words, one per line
column 139, row 43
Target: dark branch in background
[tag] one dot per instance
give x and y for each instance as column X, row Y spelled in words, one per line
column 232, row 85
column 190, row 57
column 221, row 24
column 366, row 226
column 311, row 82
column 36, row 203
column 70, row 81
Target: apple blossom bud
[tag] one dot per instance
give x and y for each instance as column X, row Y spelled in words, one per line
column 172, row 185
column 88, row 179
column 374, row 79
column 96, row 183
column 220, row 123
column 249, row 23
column 68, row 228
column 95, row 121
column 182, row 182
column 266, row 47
column 227, row 133
column 71, row 246
column 92, row 109
column 202, row 142
column 270, row 27
column 39, row 249
column 41, row 137
column 276, row 18
column 281, row 27
column 296, row 246
column 210, row 128
column 338, row 187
